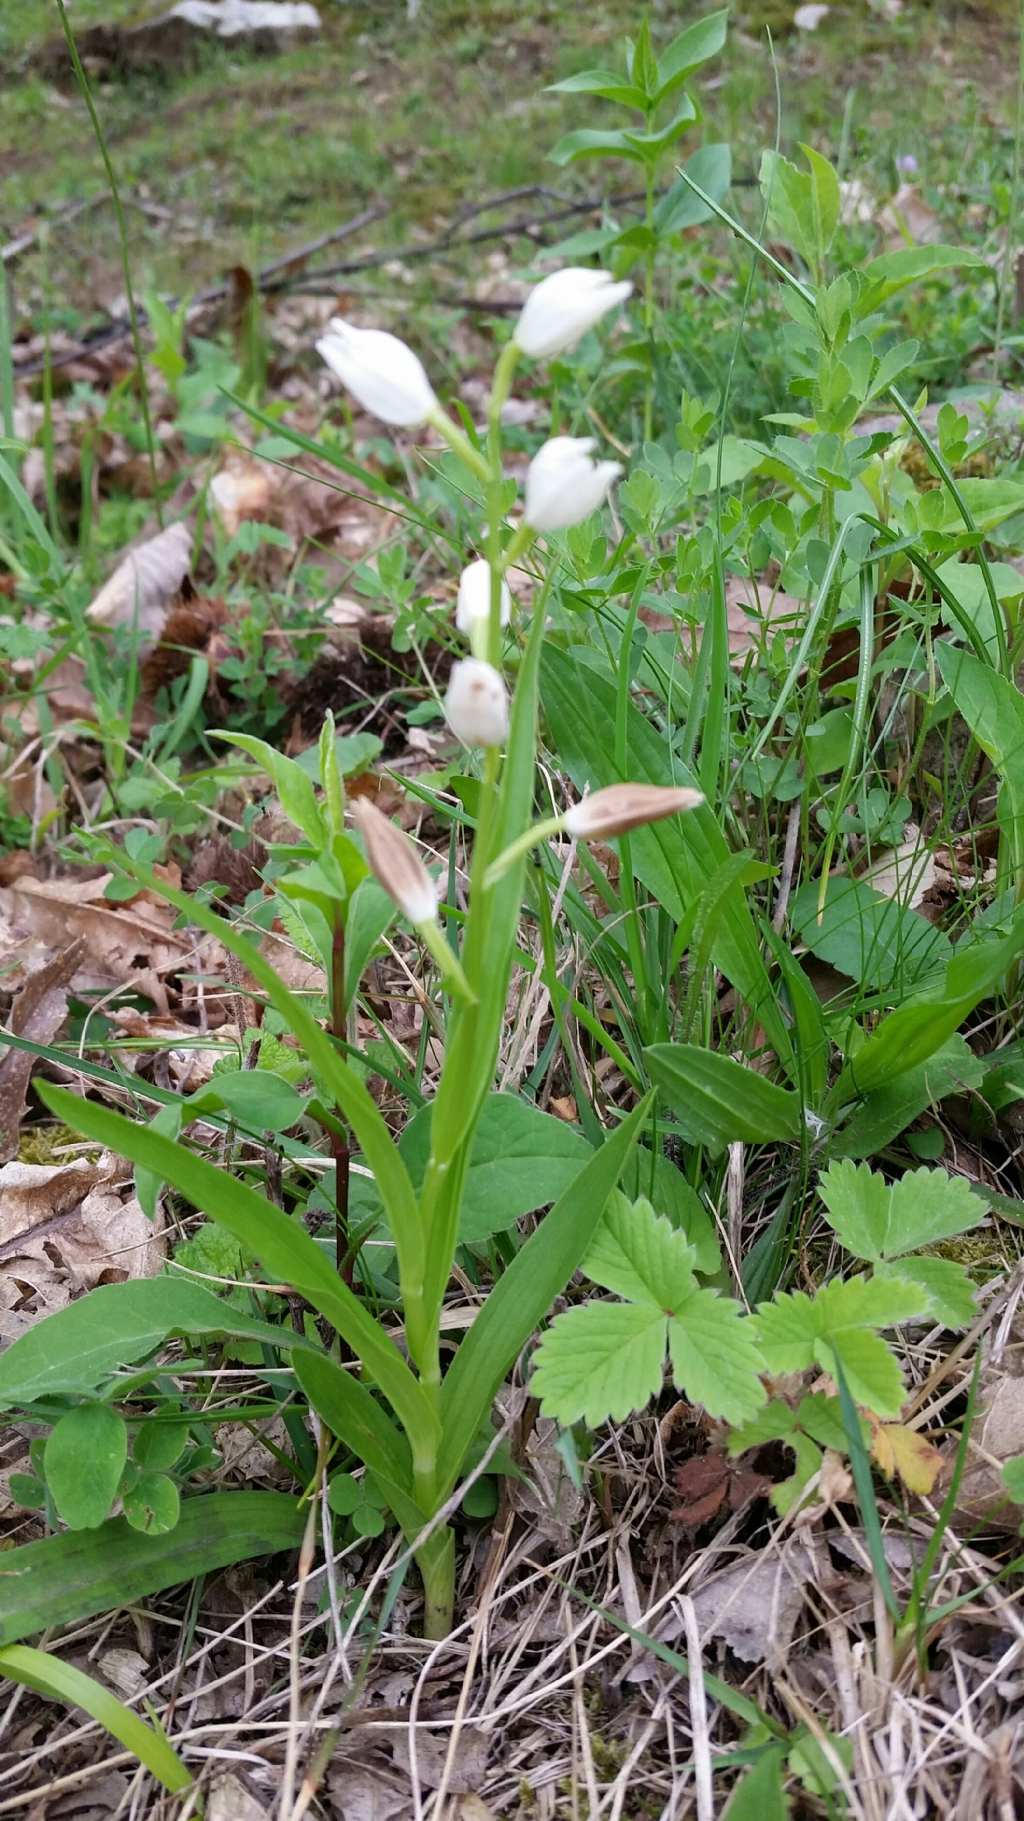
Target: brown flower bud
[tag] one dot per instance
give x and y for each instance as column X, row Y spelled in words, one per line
column 622, row 807
column 395, row 864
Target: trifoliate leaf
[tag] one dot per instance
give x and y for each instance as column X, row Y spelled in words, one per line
column 774, row 1422
column 868, row 1302
column 598, row 1361
column 715, row 1359
column 949, row 1289
column 795, row 1332
column 640, row 1256
column 929, row 1205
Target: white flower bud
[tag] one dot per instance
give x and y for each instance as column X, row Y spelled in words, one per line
column 476, row 705
column 564, row 485
column 622, row 807
column 563, row 307
column 473, row 607
column 395, row 864
column 381, row 372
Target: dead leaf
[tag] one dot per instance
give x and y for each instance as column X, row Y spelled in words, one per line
column 127, row 945
column 707, row 1483
column 907, row 220
column 469, row 1762
column 31, row 1193
column 38, row 1013
column 361, row 1793
column 753, row 1608
column 125, row 1671
column 66, row 1228
column 997, row 1435
column 229, row 1800
column 145, row 583
column 905, row 873
column 905, row 1453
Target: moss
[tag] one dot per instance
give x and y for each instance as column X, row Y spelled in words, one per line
column 50, row 1144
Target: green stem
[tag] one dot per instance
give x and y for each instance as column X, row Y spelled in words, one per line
column 436, row 1563
column 649, row 298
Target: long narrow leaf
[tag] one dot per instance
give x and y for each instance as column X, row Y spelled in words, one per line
column 285, row 1250
column 352, row 1414
column 47, row 1675
column 65, row 1578
column 524, row 1294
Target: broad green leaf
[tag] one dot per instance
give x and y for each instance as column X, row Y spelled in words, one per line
column 760, row 1794
column 673, row 859
column 638, row 1255
column 294, row 789
column 951, row 1298
column 716, row 1362
column 525, row 1292
column 679, row 208
column 802, row 205
column 78, row 1348
column 257, row 1098
column 891, row 271
column 521, row 1159
column 858, row 1204
column 795, row 1332
column 370, row 913
column 967, row 582
column 286, row 1251
column 608, row 85
column 592, row 142
column 876, row 1221
column 888, row 1110
column 994, row 711
column 1013, row 1478
column 925, row 1022
column 718, row 1101
column 160, row 1441
column 152, row 1504
column 692, row 47
column 57, row 1681
column 353, row 1414
column 65, row 1578
column 824, row 199
column 670, row 1194
column 599, row 1362
column 989, row 502
column 872, row 1371
column 874, row 940
column 652, row 143
column 83, row 1461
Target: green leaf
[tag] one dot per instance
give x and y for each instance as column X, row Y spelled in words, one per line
column 65, row 1578
column 160, row 1441
column 591, row 142
column 967, row 583
column 294, row 789
column 760, row 1794
column 639, row 1255
column 795, row 1332
column 718, row 1101
column 352, row 1413
column 994, row 711
column 600, row 1362
column 1013, row 1478
column 803, row 206
column 673, row 859
column 692, row 47
column 888, row 1110
column 78, row 1348
column 891, row 271
column 925, row 1022
column 525, row 1292
column 716, row 1361
column 858, row 1208
column 989, row 502
column 609, row 85
column 286, row 1251
column 658, row 1179
column 876, row 941
column 257, row 1098
column 521, row 1159
column 950, row 1293
column 153, row 1504
column 928, row 1206
column 872, row 1370
column 679, row 208
column 57, row 1681
column 83, row 1462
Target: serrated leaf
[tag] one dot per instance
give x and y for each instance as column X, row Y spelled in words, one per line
column 950, row 1293
column 867, row 1302
column 927, row 1206
column 872, row 1370
column 715, row 1358
column 857, row 1202
column 599, row 1362
column 637, row 1254
column 795, row 1332
column 774, row 1422
column 822, row 1417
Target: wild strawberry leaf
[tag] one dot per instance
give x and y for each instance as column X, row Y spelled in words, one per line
column 639, row 1255
column 600, row 1361
column 876, row 1221
column 949, row 1289
column 795, row 1332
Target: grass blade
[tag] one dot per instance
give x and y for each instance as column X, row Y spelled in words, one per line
column 47, row 1675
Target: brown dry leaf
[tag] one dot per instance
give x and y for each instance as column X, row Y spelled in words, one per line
column 38, row 1013
column 997, row 1435
column 360, row 1793
column 707, row 1483
column 469, row 1762
column 903, row 1452
column 752, row 608
column 66, row 1228
column 753, row 1608
column 123, row 945
column 145, row 583
column 905, row 873
column 547, row 1498
column 229, row 1800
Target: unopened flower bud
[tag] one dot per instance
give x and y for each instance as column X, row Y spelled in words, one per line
column 473, row 607
column 476, row 705
column 620, row 808
column 563, row 307
column 395, row 864
column 564, row 485
column 380, row 371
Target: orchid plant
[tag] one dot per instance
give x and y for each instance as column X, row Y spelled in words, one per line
column 415, row 1426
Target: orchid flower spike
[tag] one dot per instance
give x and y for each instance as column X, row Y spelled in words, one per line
column 563, row 307
column 473, row 607
column 381, row 372
column 620, row 808
column 564, row 485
